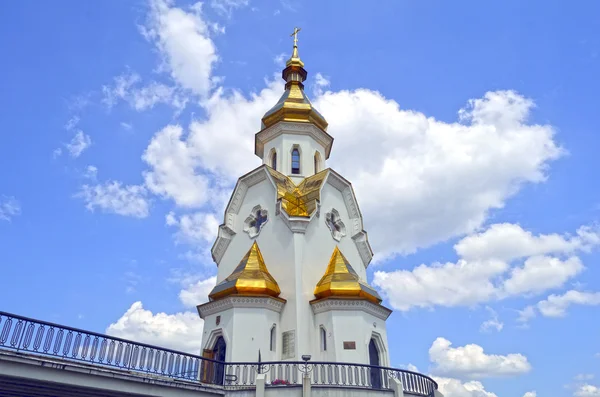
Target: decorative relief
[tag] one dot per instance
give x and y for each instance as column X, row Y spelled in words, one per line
column 335, row 224
column 288, row 339
column 328, row 304
column 260, row 302
column 364, row 249
column 255, row 221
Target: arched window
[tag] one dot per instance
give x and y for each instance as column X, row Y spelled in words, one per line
column 274, row 160
column 323, row 339
column 295, row 161
column 272, row 339
column 317, row 162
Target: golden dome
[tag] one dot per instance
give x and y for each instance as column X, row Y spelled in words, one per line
column 250, row 277
column 294, row 105
column 340, row 279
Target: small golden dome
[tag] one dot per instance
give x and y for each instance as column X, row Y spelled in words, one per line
column 340, row 279
column 294, row 105
column 250, row 277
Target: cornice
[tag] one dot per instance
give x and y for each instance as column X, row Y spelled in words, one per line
column 282, row 127
column 230, row 302
column 346, row 304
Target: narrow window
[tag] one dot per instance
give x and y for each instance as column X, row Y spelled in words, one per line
column 316, row 164
column 274, row 161
column 272, row 339
column 295, row 161
column 323, row 339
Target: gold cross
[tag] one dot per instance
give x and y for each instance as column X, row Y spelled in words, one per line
column 295, row 34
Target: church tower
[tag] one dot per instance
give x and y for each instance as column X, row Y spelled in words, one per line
column 292, row 254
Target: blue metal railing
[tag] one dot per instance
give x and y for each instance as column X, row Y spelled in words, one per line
column 48, row 339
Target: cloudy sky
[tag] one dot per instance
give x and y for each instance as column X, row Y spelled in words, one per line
column 469, row 130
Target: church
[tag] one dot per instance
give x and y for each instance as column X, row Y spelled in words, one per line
column 292, row 254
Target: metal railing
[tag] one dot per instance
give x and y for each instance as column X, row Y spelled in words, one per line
column 48, row 339
column 329, row 374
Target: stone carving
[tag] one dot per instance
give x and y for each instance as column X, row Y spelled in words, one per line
column 335, row 224
column 255, row 221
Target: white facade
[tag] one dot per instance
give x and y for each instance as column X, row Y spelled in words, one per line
column 296, row 251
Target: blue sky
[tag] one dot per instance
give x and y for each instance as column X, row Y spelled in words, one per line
column 126, row 125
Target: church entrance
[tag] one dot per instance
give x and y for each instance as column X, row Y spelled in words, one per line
column 219, row 354
column 214, row 372
column 374, row 360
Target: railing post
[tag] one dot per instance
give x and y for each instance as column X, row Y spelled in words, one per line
column 23, row 331
column 306, row 384
column 260, row 385
column 396, row 386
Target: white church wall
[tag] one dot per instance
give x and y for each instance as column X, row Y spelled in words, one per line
column 252, row 329
column 352, row 326
column 245, row 330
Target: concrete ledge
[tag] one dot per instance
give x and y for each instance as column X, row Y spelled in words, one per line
column 42, row 369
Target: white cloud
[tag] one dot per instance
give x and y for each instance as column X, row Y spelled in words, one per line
column 197, row 293
column 182, row 38
column 126, row 126
column 183, row 165
column 126, row 88
column 148, row 96
column 472, row 362
column 132, row 280
column 482, row 277
column 450, row 387
column 120, row 89
column 320, row 83
column 557, row 305
column 439, row 179
column 226, row 7
column 78, row 144
column 450, row 284
column 195, row 228
column 526, row 314
column 506, row 241
column 587, row 391
column 91, row 172
column 174, row 165
column 530, row 394
column 541, row 273
column 493, row 322
column 279, row 59
column 412, row 367
column 71, row 123
column 179, row 331
column 199, row 230
column 112, row 197
column 9, row 208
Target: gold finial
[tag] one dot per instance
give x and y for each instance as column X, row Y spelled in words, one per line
column 295, row 34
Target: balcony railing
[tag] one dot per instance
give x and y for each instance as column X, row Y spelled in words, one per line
column 48, row 339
